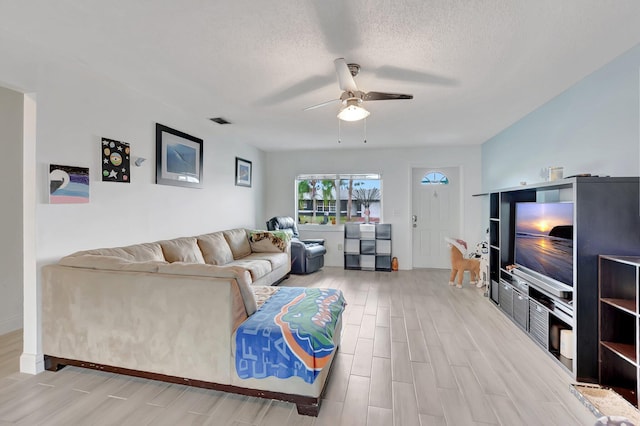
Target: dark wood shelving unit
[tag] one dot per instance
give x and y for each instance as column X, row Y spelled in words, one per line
column 619, row 277
column 625, row 350
column 627, row 305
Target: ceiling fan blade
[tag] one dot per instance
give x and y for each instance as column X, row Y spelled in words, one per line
column 309, row 84
column 403, row 74
column 322, row 104
column 339, row 26
column 345, row 79
column 382, row 96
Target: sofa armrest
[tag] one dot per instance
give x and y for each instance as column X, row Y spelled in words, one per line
column 241, row 275
column 167, row 324
column 110, row 263
column 313, row 241
column 315, row 251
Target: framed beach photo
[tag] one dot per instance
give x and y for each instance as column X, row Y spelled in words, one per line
column 243, row 172
column 178, row 158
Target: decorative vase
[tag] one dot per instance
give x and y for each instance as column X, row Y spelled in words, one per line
column 394, row 264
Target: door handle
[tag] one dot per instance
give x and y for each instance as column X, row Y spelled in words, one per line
column 414, row 220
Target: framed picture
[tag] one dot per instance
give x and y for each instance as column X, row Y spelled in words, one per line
column 243, row 172
column 115, row 161
column 68, row 184
column 178, row 158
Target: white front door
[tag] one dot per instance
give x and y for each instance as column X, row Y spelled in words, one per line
column 435, row 215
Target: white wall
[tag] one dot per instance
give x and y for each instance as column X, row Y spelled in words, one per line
column 395, row 166
column 593, row 127
column 11, row 110
column 75, row 108
column 73, row 117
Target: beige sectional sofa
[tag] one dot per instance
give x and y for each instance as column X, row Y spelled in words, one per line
column 266, row 262
column 168, row 310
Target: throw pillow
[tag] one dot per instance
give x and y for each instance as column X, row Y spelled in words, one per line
column 268, row 241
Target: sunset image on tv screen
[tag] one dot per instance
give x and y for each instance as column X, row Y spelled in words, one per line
column 540, row 219
column 544, row 239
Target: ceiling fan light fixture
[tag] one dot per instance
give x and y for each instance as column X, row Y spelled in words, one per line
column 352, row 111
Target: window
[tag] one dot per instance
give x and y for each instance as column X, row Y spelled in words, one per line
column 434, row 178
column 327, row 206
column 334, row 199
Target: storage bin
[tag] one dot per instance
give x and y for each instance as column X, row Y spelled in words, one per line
column 566, row 343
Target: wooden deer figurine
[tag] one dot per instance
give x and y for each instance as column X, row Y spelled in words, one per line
column 459, row 264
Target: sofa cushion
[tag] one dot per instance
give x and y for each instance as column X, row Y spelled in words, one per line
column 276, row 259
column 182, row 250
column 238, row 242
column 268, row 241
column 257, row 267
column 241, row 276
column 145, row 252
column 215, row 249
column 114, row 252
column 110, row 263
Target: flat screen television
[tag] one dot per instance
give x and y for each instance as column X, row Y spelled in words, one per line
column 544, row 239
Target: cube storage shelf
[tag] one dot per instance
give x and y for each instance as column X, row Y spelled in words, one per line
column 367, row 246
column 619, row 278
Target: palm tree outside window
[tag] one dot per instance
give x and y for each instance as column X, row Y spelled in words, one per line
column 335, row 199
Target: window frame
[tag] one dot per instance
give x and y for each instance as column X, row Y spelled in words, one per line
column 335, row 204
column 442, row 178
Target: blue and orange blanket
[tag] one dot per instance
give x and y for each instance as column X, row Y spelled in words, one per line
column 290, row 335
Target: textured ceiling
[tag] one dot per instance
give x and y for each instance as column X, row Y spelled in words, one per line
column 473, row 66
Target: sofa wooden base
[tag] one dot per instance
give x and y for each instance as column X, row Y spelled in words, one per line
column 286, row 277
column 306, row 405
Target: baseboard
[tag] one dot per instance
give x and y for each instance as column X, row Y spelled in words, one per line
column 10, row 324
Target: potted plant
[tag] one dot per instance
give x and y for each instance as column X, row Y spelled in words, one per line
column 366, row 196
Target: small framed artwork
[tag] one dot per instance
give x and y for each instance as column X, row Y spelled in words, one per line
column 243, row 172
column 178, row 158
column 68, row 184
column 115, row 161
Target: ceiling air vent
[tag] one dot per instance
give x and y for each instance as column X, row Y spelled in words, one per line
column 219, row 120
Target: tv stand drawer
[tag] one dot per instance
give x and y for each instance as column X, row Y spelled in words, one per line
column 539, row 323
column 506, row 298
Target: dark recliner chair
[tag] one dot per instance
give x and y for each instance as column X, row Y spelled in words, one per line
column 307, row 256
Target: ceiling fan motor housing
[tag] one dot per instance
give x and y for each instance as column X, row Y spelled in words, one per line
column 355, row 96
column 354, row 69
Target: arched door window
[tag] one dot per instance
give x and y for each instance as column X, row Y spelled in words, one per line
column 434, row 178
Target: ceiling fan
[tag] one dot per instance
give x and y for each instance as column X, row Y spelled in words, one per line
column 352, row 98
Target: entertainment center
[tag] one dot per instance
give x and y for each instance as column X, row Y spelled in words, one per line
column 544, row 243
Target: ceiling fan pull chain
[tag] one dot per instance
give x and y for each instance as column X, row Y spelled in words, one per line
column 339, row 140
column 365, row 130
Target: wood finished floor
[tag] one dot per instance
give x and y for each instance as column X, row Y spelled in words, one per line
column 415, row 351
